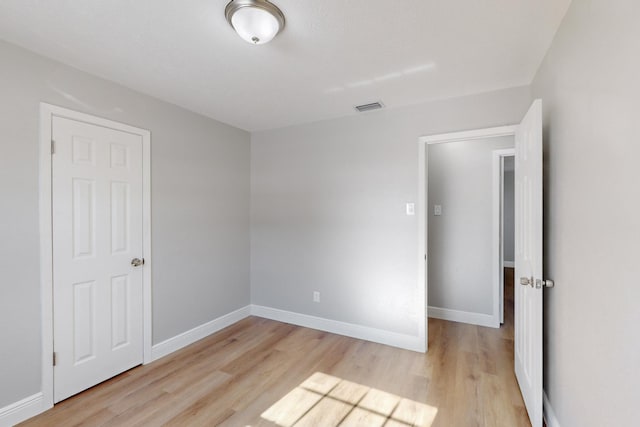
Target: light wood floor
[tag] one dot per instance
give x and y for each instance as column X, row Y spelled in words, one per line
column 233, row 377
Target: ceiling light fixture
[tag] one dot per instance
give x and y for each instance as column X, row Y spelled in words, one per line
column 256, row 21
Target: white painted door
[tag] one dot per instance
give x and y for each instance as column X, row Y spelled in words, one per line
column 97, row 231
column 528, row 261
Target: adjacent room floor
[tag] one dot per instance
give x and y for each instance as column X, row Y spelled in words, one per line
column 264, row 373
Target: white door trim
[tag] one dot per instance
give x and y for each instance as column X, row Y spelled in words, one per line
column 469, row 135
column 423, row 142
column 47, row 112
column 423, row 297
column 498, row 231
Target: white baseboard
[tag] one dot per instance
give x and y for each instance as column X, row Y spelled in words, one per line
column 408, row 342
column 34, row 405
column 189, row 337
column 479, row 319
column 549, row 414
column 509, row 264
column 22, row 410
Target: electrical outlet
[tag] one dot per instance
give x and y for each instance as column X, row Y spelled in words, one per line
column 316, row 296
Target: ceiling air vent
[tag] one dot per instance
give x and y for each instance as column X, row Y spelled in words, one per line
column 369, row 107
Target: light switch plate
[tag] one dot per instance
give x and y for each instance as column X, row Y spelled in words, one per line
column 411, row 209
column 437, row 210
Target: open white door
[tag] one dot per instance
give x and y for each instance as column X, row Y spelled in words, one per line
column 528, row 261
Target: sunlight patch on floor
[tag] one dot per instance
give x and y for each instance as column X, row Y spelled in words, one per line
column 325, row 400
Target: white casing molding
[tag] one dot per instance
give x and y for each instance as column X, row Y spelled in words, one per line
column 423, row 231
column 492, row 320
column 469, row 135
column 497, row 250
column 184, row 339
column 22, row 410
column 408, row 342
column 47, row 113
column 479, row 319
column 548, row 412
column 509, row 264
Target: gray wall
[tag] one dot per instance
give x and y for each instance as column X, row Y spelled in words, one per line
column 328, row 209
column 200, row 203
column 461, row 239
column 508, row 213
column 591, row 92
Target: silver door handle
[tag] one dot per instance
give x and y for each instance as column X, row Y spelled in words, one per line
column 137, row 262
column 526, row 281
column 538, row 284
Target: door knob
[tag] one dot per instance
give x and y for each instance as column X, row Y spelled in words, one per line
column 137, row 262
column 544, row 284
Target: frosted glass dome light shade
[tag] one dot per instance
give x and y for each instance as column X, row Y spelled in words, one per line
column 256, row 21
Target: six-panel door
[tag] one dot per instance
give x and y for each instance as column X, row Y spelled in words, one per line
column 528, row 262
column 97, row 231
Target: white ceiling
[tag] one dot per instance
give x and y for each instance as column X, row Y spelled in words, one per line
column 332, row 54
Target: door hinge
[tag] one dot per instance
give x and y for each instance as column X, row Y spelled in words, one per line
column 54, row 358
column 53, row 146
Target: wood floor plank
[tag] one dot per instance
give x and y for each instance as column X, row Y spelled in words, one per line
column 348, row 392
column 184, row 397
column 294, row 368
column 359, row 417
column 288, row 410
column 328, row 412
column 414, row 413
column 231, row 378
column 380, row 401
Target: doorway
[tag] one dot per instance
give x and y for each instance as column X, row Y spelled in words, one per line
column 465, row 228
column 504, row 204
column 95, row 250
column 528, row 253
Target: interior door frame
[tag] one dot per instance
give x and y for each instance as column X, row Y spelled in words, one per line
column 423, row 143
column 47, row 113
column 498, row 228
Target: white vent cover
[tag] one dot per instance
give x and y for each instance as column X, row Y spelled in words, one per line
column 369, row 107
